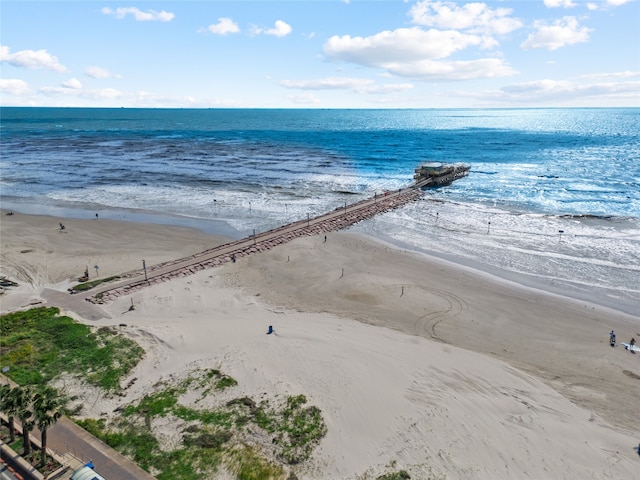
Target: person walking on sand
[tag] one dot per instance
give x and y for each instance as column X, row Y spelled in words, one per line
column 612, row 338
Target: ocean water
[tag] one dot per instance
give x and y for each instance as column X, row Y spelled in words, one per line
column 552, row 199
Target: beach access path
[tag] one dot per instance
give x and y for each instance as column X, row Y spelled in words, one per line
column 338, row 219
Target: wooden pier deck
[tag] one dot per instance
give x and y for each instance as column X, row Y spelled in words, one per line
column 338, row 219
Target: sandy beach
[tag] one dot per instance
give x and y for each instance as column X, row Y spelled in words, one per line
column 430, row 366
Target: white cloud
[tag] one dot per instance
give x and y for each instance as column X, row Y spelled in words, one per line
column 139, row 15
column 537, row 86
column 280, row 29
column 31, row 59
column 112, row 96
column 331, row 83
column 559, row 3
column 59, row 91
column 561, row 33
column 606, row 4
column 412, row 52
column 99, row 72
column 625, row 74
column 389, row 88
column 560, row 92
column 476, row 17
column 401, row 45
column 563, row 89
column 14, row 86
column 224, row 26
column 156, row 100
column 103, row 94
column 306, row 99
column 72, row 83
column 458, row 70
column 360, row 85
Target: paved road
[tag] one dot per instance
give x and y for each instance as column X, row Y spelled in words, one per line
column 66, row 436
column 75, row 446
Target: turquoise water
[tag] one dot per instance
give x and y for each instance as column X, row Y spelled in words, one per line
column 534, row 173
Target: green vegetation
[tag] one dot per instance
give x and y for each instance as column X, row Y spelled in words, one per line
column 41, row 407
column 225, row 382
column 39, row 345
column 83, row 287
column 250, row 440
column 248, row 465
column 297, row 428
column 214, row 438
column 401, row 475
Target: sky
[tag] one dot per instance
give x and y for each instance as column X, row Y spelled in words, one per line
column 320, row 54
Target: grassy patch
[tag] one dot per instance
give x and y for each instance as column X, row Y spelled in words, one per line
column 157, row 404
column 215, row 437
column 225, row 382
column 39, row 344
column 84, row 286
column 401, row 475
column 247, row 464
column 296, row 428
column 143, row 448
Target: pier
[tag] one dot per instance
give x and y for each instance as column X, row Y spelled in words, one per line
column 338, row 219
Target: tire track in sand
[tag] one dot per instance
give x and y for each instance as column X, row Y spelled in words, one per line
column 428, row 323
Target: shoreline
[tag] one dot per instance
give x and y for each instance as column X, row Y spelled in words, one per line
column 208, row 226
column 433, row 363
column 561, row 288
column 216, row 228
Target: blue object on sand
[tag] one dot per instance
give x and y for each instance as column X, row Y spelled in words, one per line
column 270, row 331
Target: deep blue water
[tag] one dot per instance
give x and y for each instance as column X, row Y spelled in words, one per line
column 534, row 172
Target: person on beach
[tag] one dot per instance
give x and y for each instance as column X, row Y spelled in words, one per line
column 612, row 338
column 632, row 342
column 270, row 330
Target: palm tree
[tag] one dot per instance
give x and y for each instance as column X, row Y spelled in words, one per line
column 9, row 405
column 47, row 409
column 24, row 398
